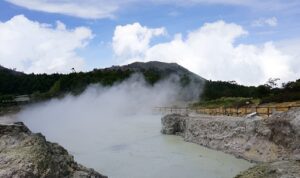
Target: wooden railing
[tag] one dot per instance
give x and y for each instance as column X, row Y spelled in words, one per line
column 265, row 111
column 173, row 110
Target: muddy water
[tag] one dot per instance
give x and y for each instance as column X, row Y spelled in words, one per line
column 131, row 146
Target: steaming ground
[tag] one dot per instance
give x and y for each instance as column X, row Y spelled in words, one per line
column 113, row 130
column 97, row 103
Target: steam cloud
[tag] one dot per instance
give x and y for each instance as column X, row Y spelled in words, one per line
column 98, row 105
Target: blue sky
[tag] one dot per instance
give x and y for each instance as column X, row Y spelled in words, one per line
column 269, row 22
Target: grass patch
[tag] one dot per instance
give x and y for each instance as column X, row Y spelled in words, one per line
column 227, row 102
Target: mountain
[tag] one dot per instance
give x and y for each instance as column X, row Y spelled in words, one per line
column 165, row 69
column 7, row 71
column 17, row 83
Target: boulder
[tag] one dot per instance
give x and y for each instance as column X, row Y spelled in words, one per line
column 27, row 154
column 173, row 124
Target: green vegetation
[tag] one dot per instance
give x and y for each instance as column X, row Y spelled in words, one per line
column 227, row 102
column 218, row 89
column 230, row 94
column 18, row 84
column 152, row 76
column 289, row 92
column 214, row 93
column 43, row 86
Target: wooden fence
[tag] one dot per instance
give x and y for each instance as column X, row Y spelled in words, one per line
column 264, row 111
column 173, row 110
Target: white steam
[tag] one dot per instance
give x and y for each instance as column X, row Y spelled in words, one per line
column 98, row 104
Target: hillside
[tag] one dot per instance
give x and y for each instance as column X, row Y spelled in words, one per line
column 159, row 67
column 4, row 71
column 45, row 86
column 213, row 93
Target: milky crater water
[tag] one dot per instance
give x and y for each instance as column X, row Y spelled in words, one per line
column 129, row 146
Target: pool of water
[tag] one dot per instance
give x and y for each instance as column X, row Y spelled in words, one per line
column 129, row 146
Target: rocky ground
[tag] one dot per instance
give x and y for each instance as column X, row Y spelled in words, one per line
column 278, row 169
column 269, row 140
column 26, row 154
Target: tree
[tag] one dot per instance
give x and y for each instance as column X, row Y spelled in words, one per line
column 272, row 82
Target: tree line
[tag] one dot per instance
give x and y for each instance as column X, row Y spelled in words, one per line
column 43, row 86
column 268, row 92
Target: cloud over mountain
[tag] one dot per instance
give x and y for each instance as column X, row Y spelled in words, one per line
column 212, row 51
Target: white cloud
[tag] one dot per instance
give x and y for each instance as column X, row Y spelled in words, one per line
column 31, row 46
column 97, row 9
column 133, row 39
column 211, row 51
column 90, row 9
column 272, row 22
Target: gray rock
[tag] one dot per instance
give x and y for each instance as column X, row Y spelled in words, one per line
column 285, row 129
column 296, row 157
column 256, row 139
column 26, row 154
column 251, row 115
column 173, row 124
column 278, row 169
